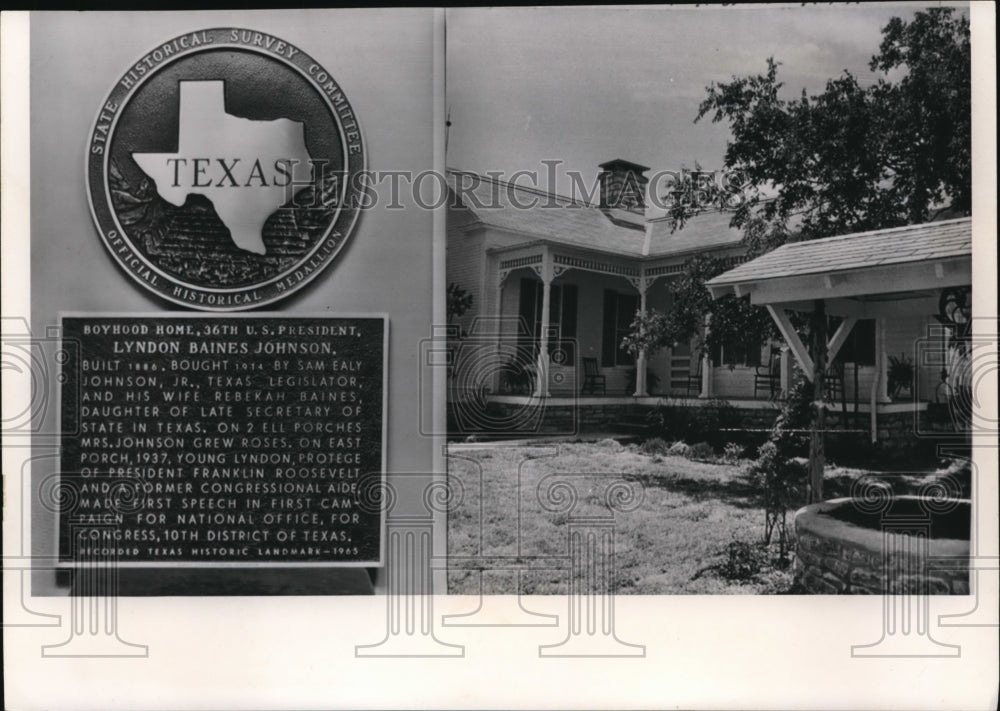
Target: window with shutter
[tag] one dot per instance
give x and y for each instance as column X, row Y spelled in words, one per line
column 619, row 312
column 567, row 321
column 562, row 318
column 608, row 329
column 737, row 352
column 526, row 312
column 860, row 345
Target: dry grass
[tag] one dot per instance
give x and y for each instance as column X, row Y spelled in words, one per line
column 689, row 513
column 673, row 542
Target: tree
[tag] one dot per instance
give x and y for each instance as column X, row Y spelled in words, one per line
column 459, row 301
column 853, row 158
column 848, row 159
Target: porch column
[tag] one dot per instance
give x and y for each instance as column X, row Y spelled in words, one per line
column 817, row 453
column 706, row 363
column 542, row 386
column 640, row 359
column 880, row 359
column 785, row 370
column 498, row 325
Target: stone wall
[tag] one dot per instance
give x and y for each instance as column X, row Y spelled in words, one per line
column 903, row 433
column 835, row 557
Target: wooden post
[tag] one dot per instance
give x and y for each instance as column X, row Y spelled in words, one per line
column 880, row 361
column 817, row 456
column 706, row 362
column 497, row 381
column 542, row 387
column 785, row 371
column 542, row 390
column 640, row 360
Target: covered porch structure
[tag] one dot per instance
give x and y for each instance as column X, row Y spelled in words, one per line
column 570, row 308
column 921, row 273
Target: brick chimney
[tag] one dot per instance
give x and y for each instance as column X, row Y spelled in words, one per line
column 623, row 185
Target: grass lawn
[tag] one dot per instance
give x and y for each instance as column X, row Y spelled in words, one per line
column 673, row 542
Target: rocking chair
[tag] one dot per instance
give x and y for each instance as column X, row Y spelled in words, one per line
column 768, row 376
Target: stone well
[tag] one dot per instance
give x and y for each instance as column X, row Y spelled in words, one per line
column 906, row 544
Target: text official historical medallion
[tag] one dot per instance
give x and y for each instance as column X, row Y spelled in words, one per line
column 225, row 169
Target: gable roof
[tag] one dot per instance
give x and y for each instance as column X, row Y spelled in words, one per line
column 925, row 242
column 575, row 223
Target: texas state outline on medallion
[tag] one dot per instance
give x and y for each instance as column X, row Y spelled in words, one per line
column 225, row 169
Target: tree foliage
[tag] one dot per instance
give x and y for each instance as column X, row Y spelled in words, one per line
column 459, row 301
column 848, row 159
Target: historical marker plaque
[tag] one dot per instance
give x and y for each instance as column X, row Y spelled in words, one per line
column 225, row 169
column 194, row 440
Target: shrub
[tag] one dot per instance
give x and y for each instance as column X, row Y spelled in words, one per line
column 656, row 445
column 668, row 421
column 612, row 444
column 711, row 420
column 678, row 449
column 702, row 451
column 743, row 561
column 705, row 423
column 779, row 470
column 732, row 453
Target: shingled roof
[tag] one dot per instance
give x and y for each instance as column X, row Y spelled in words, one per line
column 926, row 242
column 706, row 230
column 575, row 223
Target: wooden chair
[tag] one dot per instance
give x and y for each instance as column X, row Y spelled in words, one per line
column 592, row 377
column 768, row 375
column 834, row 379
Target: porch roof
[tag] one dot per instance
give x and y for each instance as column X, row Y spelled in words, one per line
column 575, row 223
column 857, row 264
column 706, row 230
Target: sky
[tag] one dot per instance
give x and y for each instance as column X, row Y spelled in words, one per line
column 587, row 85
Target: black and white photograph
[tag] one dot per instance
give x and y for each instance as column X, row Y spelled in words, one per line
column 671, row 238
column 482, row 357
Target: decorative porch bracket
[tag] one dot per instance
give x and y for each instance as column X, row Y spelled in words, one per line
column 798, row 348
column 792, row 339
column 840, row 337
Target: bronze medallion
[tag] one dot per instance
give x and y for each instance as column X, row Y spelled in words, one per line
column 225, row 169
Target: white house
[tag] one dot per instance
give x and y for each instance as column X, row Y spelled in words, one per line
column 552, row 274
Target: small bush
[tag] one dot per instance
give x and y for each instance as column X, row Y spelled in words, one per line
column 702, row 451
column 612, row 444
column 668, row 420
column 678, row 449
column 656, row 445
column 703, row 423
column 711, row 420
column 779, row 471
column 743, row 561
column 732, row 453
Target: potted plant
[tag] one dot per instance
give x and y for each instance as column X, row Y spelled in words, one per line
column 900, row 376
